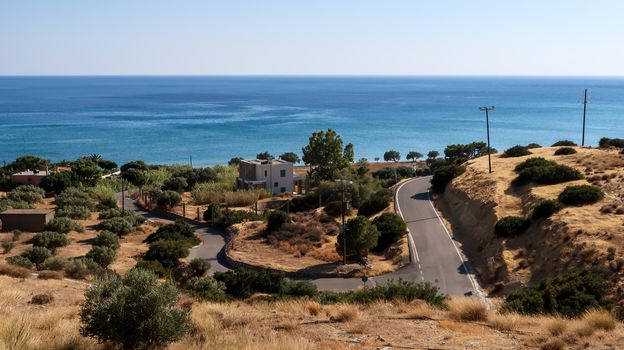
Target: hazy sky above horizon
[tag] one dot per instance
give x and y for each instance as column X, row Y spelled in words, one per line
column 346, row 37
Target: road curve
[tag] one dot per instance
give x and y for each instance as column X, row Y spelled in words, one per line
column 434, row 253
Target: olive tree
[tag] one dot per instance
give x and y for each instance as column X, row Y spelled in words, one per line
column 361, row 234
column 136, row 312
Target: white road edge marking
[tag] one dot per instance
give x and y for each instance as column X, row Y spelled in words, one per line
column 410, row 239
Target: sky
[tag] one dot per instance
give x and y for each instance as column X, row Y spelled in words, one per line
column 319, row 37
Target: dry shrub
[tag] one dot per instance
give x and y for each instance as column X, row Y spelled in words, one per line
column 418, row 310
column 14, row 271
column 42, row 299
column 555, row 326
column 554, row 344
column 51, row 275
column 225, row 315
column 314, row 308
column 305, row 236
column 599, row 320
column 467, row 309
column 356, row 327
column 344, row 313
column 506, row 323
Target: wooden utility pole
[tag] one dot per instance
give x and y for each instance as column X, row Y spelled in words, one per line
column 584, row 114
column 487, row 110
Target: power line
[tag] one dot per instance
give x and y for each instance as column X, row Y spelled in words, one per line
column 487, row 110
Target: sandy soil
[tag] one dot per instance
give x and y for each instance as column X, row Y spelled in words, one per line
column 572, row 238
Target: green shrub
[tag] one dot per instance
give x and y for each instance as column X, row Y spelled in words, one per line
column 334, row 209
column 16, row 235
column 26, row 193
column 168, row 253
column 511, row 226
column 154, row 266
column 242, row 283
column 7, row 247
column 391, row 229
column 74, row 212
column 391, row 291
column 107, row 239
column 606, row 142
column 127, row 214
column 81, row 268
column 74, row 197
column 55, row 263
column 516, row 151
column 58, row 181
column 443, row 175
column 546, row 209
column 63, row 225
column 212, row 213
column 206, row 288
column 231, row 217
column 21, row 261
column 545, row 172
column 564, row 143
column 198, row 267
column 103, row 256
column 168, row 199
column 37, row 255
column 179, row 231
column 298, row 289
column 119, row 225
column 568, row 295
column 377, row 202
column 104, row 194
column 177, row 184
column 581, row 195
column 362, row 235
column 50, row 240
column 533, row 145
column 565, row 151
column 136, row 312
column 276, row 219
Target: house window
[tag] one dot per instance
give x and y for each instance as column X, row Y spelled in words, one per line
column 282, row 173
column 283, row 189
column 265, row 173
column 275, row 184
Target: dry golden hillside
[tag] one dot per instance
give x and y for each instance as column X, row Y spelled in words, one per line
column 586, row 236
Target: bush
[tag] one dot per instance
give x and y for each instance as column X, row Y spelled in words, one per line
column 334, row 208
column 377, row 202
column 546, row 209
column 167, row 253
column 179, row 231
column 7, row 247
column 105, row 195
column 127, row 214
column 511, row 226
column 154, row 266
column 136, row 312
column 81, row 268
column 107, row 239
column 565, row 151
column 276, row 219
column 581, row 195
column 63, row 225
column 20, row 261
column 545, row 172
column 516, row 151
column 50, row 275
column 103, row 256
column 242, row 283
column 57, row 182
column 206, row 288
column 533, row 145
column 298, row 289
column 42, row 299
column 37, row 255
column 212, row 213
column 391, row 229
column 568, row 295
column 199, row 267
column 74, row 197
column 391, row 291
column 177, row 184
column 120, row 226
column 74, row 212
column 26, row 193
column 444, row 175
column 362, row 235
column 564, row 143
column 15, row 271
column 168, row 199
column 467, row 309
column 50, row 240
column 232, row 217
column 606, row 142
column 55, row 263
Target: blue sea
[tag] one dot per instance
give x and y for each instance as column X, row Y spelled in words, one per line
column 211, row 119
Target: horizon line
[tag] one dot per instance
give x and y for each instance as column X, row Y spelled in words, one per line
column 306, row 76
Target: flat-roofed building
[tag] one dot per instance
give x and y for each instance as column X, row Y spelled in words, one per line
column 275, row 175
column 29, row 220
column 29, row 177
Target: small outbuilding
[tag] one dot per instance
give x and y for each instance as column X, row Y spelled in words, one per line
column 29, row 220
column 29, row 177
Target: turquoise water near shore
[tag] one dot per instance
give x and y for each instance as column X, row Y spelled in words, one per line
column 169, row 119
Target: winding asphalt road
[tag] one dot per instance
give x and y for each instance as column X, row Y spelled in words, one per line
column 434, row 256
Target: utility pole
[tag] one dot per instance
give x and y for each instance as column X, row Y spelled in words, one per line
column 487, row 110
column 344, row 231
column 123, row 196
column 191, row 159
column 584, row 114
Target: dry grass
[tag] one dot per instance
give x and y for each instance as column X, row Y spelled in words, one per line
column 14, row 271
column 314, row 308
column 599, row 320
column 344, row 313
column 555, row 326
column 505, row 322
column 47, row 274
column 467, row 309
column 554, row 344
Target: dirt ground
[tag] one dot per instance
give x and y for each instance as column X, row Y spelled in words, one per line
column 586, row 236
column 297, row 324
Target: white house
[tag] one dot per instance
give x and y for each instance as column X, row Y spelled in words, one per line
column 275, row 175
